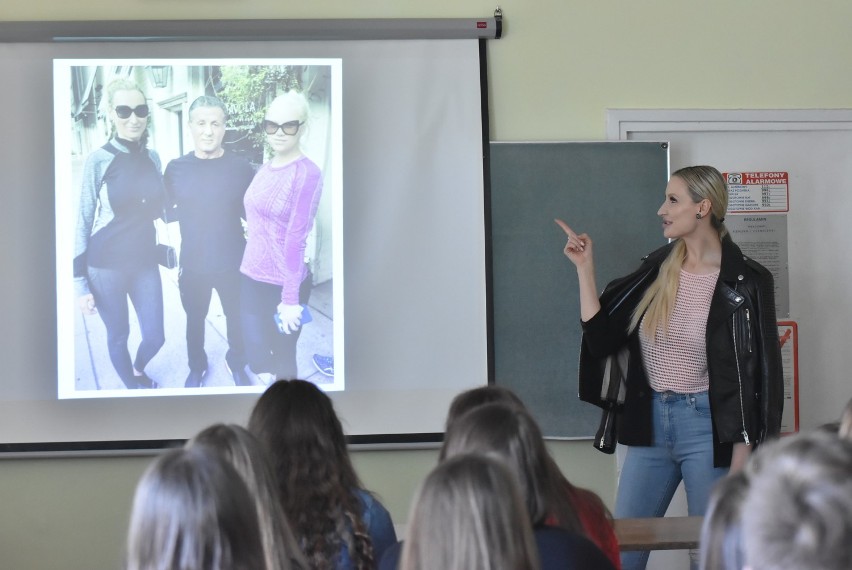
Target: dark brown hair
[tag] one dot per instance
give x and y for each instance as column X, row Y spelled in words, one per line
column 297, row 424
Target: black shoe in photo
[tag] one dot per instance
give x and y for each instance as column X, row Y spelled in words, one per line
column 241, row 378
column 195, row 379
column 144, row 382
column 131, row 384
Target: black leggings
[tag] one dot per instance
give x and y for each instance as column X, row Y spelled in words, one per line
column 196, row 290
column 268, row 349
column 111, row 289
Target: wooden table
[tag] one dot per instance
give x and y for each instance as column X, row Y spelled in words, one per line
column 661, row 533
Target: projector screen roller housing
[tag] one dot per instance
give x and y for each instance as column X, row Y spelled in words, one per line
column 411, row 227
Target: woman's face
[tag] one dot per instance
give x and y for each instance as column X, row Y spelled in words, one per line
column 133, row 127
column 678, row 210
column 281, row 143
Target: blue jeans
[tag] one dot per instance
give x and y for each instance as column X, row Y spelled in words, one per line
column 111, row 289
column 682, row 450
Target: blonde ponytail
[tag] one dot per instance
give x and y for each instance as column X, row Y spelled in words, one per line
column 656, row 305
column 658, row 301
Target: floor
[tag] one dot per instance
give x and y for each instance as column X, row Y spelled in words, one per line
column 169, row 368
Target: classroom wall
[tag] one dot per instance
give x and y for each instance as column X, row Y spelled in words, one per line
column 561, row 64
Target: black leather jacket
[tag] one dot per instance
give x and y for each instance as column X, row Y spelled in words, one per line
column 743, row 353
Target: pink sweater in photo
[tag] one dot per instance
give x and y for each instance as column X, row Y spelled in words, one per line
column 281, row 203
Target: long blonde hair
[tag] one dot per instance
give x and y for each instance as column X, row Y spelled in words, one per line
column 702, row 182
column 236, row 446
column 469, row 515
column 192, row 509
column 845, row 428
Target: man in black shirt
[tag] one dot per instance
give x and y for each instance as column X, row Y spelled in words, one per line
column 206, row 189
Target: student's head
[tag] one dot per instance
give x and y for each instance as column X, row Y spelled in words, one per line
column 475, row 397
column 469, row 515
column 207, row 118
column 509, row 432
column 578, row 499
column 242, row 451
column 285, row 122
column 128, row 110
column 844, row 429
column 721, row 532
column 192, row 510
column 296, row 423
column 798, row 511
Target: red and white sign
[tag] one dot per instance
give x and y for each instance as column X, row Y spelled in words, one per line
column 750, row 192
column 788, row 336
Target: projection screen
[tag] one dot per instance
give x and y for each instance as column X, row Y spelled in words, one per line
column 396, row 251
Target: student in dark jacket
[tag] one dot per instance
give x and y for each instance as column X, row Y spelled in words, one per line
column 593, row 515
column 704, row 382
column 510, row 434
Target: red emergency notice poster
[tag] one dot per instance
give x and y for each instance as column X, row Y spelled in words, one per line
column 788, row 336
column 757, row 192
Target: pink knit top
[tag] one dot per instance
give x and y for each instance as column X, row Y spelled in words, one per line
column 676, row 359
column 281, row 203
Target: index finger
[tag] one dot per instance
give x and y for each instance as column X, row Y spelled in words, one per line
column 568, row 231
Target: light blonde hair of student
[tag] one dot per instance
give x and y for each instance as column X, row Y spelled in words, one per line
column 242, row 450
column 721, row 532
column 702, row 182
column 845, row 428
column 798, row 511
column 469, row 515
column 510, row 433
column 193, row 510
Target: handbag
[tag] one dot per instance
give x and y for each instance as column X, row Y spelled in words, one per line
column 613, row 390
column 603, row 382
column 166, row 256
column 617, row 300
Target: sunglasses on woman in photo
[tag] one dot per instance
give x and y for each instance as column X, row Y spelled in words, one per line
column 124, row 112
column 289, row 128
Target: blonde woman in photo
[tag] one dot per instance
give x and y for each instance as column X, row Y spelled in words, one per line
column 281, row 204
column 115, row 250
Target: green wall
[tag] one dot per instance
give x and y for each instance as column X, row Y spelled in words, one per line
column 561, row 64
column 72, row 513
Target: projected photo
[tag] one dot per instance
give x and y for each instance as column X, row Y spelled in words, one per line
column 198, row 225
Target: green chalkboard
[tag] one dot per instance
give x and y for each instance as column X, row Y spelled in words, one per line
column 610, row 190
